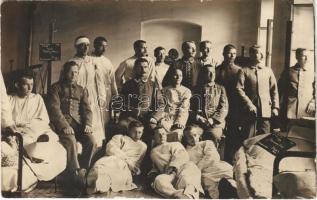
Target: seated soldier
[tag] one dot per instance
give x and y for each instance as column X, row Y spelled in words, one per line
column 32, row 122
column 140, row 96
column 210, row 107
column 205, row 155
column 71, row 115
column 125, row 70
column 175, row 116
column 124, row 155
column 177, row 177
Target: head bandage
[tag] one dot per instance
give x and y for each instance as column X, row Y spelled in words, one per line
column 82, row 40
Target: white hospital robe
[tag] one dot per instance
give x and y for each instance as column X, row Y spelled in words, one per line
column 6, row 115
column 87, row 79
column 112, row 171
column 205, row 155
column 177, row 108
column 160, row 70
column 32, row 112
column 187, row 180
column 106, row 86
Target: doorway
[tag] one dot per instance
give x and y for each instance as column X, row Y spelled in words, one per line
column 169, row 33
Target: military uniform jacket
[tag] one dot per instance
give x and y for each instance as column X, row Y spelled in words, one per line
column 191, row 70
column 257, row 85
column 227, row 75
column 210, row 101
column 296, row 87
column 68, row 102
column 125, row 70
column 140, row 98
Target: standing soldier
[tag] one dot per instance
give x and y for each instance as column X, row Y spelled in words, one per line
column 227, row 75
column 258, row 92
column 296, row 87
column 160, row 66
column 205, row 58
column 188, row 65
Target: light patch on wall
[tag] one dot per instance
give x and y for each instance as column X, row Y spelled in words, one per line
column 169, row 33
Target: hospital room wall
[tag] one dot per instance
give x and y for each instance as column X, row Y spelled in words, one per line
column 14, row 35
column 120, row 23
column 222, row 22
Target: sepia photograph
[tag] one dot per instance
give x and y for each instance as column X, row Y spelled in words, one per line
column 158, row 99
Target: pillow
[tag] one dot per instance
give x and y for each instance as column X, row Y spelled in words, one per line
column 9, row 155
column 293, row 185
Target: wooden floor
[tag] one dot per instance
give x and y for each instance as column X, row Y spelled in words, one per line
column 47, row 190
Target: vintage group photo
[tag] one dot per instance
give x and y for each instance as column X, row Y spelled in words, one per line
column 155, row 99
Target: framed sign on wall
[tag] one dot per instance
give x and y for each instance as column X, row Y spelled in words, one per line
column 50, row 51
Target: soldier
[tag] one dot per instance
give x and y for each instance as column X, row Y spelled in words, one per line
column 172, row 57
column 211, row 107
column 205, row 58
column 71, row 114
column 106, row 86
column 227, row 75
column 188, row 65
column 160, row 67
column 141, row 98
column 124, row 72
column 296, row 87
column 175, row 175
column 87, row 73
column 257, row 90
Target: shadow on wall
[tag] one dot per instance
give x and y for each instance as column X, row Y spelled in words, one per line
column 169, row 33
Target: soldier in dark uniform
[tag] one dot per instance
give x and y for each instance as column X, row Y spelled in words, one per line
column 142, row 97
column 140, row 93
column 188, row 64
column 210, row 108
column 71, row 115
column 227, row 75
